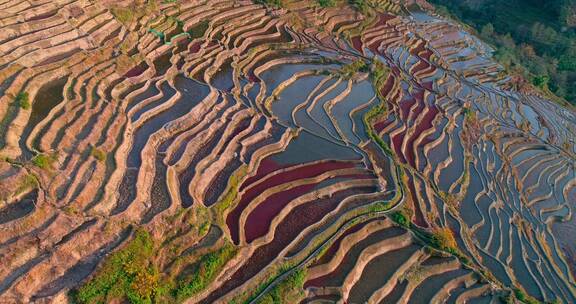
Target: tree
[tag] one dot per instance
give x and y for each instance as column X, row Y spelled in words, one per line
column 568, row 13
column 444, row 239
column 541, row 81
column 487, row 31
column 544, row 35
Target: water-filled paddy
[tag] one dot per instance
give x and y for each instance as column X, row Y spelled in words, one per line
column 308, row 148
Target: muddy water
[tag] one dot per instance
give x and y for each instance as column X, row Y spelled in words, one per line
column 427, row 289
column 149, row 92
column 223, row 79
column 162, row 63
column 331, row 251
column 378, row 272
column 396, row 294
column 468, row 209
column 168, row 92
column 293, row 95
column 192, row 93
column 46, row 99
column 521, row 271
column 318, row 114
column 496, row 268
column 307, row 148
column 19, row 209
column 137, row 70
column 361, row 93
column 7, row 82
column 453, row 171
column 280, row 73
column 336, row 278
column 188, row 174
column 331, row 220
column 159, row 196
column 358, row 117
column 291, row 175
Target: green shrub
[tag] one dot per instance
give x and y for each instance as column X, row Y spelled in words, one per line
column 443, row 238
column 541, row 81
column 205, row 271
column 98, row 154
column 523, row 297
column 232, row 192
column 360, row 5
column 326, row 3
column 286, row 291
column 23, row 100
column 399, row 218
column 348, row 71
column 43, row 161
column 126, row 274
column 204, row 227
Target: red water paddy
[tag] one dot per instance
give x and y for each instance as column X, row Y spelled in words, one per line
column 357, row 43
column 379, row 126
column 259, row 221
column 383, row 19
column 419, row 48
column 418, row 215
column 267, row 166
column 296, row 221
column 420, row 66
column 425, row 124
column 195, row 47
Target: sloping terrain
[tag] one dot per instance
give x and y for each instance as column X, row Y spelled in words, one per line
column 231, row 151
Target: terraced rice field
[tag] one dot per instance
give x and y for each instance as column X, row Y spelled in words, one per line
column 236, row 152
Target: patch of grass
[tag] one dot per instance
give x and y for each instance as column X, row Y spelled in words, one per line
column 443, row 238
column 126, row 275
column 379, row 72
column 326, row 3
column 204, row 272
column 287, row 291
column 98, row 154
column 360, row 5
column 22, row 99
column 43, row 161
column 126, row 15
column 203, row 228
column 348, row 71
column 230, row 196
column 29, row 181
column 123, row 14
column 273, row 3
column 400, row 218
column 523, row 297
